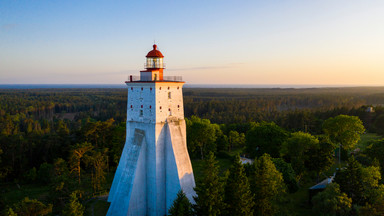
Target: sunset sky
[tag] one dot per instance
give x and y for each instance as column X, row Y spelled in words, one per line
column 324, row 42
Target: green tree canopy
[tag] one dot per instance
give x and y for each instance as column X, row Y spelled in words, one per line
column 76, row 157
column 295, row 150
column 332, row 202
column 319, row 158
column 379, row 124
column 45, row 173
column 235, row 139
column 344, row 130
column 376, row 150
column 350, row 180
column 32, row 207
column 201, row 136
column 73, row 207
column 209, row 199
column 375, row 204
column 265, row 138
column 237, row 195
column 181, row 206
column 97, row 160
column 267, row 185
column 288, row 173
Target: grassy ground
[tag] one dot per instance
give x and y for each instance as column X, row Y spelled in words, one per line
column 366, row 138
column 224, row 162
column 11, row 193
column 96, row 208
column 298, row 203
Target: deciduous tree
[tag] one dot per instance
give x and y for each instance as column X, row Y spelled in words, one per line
column 32, row 207
column 265, row 138
column 295, row 150
column 202, row 135
column 344, row 131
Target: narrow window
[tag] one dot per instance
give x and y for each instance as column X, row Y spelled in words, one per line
column 169, row 95
column 141, row 112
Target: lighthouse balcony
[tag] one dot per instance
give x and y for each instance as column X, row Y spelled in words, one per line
column 132, row 78
column 154, row 65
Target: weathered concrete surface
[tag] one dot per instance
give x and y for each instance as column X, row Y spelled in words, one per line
column 127, row 173
column 179, row 168
column 155, row 163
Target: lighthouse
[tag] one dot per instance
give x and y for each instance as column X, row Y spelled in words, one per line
column 154, row 165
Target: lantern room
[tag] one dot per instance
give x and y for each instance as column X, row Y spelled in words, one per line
column 154, row 59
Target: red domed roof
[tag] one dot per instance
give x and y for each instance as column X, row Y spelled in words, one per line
column 155, row 52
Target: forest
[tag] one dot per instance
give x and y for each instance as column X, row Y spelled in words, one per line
column 59, row 149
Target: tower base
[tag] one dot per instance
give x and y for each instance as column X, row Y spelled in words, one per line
column 153, row 168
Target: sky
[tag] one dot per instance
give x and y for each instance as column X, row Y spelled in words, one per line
column 304, row 42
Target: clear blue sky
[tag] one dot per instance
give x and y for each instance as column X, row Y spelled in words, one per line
column 222, row 42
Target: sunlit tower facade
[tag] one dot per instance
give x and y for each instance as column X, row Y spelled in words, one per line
column 154, row 164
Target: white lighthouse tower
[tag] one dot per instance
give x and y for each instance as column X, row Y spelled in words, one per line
column 155, row 163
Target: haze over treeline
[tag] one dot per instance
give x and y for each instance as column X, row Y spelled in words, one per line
column 60, row 148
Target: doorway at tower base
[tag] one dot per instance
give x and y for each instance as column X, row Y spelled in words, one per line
column 149, row 177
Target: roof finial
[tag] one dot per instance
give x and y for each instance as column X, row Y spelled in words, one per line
column 154, row 44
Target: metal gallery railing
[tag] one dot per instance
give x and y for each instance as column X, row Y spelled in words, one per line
column 132, row 78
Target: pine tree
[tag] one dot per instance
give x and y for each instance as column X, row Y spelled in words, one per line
column 350, row 180
column 73, row 207
column 77, row 154
column 332, row 201
column 181, row 206
column 267, row 185
column 237, row 195
column 209, row 199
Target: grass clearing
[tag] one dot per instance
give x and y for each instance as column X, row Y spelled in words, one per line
column 11, row 193
column 365, row 139
column 97, row 207
column 224, row 160
column 297, row 203
column 101, row 208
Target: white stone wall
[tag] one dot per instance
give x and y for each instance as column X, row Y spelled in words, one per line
column 141, row 97
column 154, row 101
column 150, row 174
column 166, row 106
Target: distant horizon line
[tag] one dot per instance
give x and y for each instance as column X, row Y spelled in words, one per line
column 90, row 85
